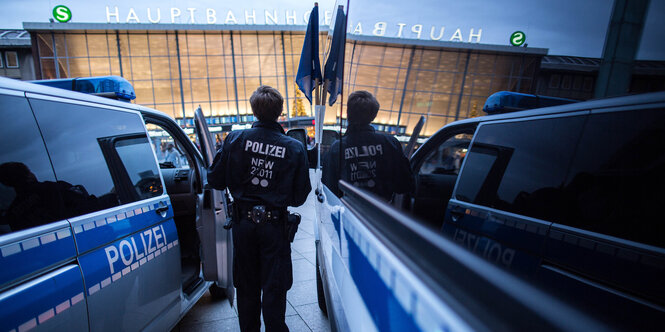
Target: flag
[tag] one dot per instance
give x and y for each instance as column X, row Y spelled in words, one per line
column 334, row 69
column 309, row 68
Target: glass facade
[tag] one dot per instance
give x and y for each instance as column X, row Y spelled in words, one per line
column 441, row 84
column 176, row 71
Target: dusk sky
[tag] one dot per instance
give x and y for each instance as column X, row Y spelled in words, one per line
column 565, row 27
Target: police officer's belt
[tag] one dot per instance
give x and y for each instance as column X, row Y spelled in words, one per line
column 260, row 213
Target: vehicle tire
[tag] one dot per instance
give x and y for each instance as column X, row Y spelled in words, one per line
column 217, row 293
column 320, row 296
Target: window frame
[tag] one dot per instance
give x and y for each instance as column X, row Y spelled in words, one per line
column 126, row 190
column 40, row 104
column 430, row 154
column 191, row 152
column 575, row 113
column 42, row 149
column 18, row 64
column 603, row 234
column 445, row 133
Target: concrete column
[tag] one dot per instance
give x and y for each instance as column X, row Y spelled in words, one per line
column 621, row 44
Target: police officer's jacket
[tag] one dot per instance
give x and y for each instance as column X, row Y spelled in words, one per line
column 262, row 166
column 371, row 161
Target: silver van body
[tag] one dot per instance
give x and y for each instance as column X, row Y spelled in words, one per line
column 97, row 234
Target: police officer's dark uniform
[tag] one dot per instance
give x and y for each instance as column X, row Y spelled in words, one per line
column 371, row 160
column 266, row 171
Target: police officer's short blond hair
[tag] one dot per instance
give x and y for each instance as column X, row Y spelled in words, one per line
column 267, row 103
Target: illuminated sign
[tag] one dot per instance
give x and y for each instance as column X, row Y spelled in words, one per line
column 192, row 15
column 517, row 38
column 62, row 13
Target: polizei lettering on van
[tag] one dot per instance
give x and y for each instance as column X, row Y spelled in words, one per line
column 265, row 149
column 142, row 246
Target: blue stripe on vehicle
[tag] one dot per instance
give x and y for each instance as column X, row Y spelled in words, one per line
column 115, row 260
column 36, row 253
column 106, row 228
column 36, row 302
column 334, row 216
column 386, row 311
column 333, row 201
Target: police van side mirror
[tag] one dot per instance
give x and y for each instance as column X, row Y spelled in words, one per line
column 299, row 134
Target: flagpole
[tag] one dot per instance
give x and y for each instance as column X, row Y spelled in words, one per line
column 325, row 91
column 317, row 92
column 341, row 101
column 319, row 116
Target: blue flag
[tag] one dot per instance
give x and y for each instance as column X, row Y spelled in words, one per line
column 309, row 68
column 334, row 70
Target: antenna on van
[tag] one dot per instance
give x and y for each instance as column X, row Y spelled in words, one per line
column 408, row 149
column 341, row 88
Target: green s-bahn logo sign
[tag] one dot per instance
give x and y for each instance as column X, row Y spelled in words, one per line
column 62, row 14
column 517, row 38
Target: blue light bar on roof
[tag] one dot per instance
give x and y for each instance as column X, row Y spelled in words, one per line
column 505, row 102
column 114, row 87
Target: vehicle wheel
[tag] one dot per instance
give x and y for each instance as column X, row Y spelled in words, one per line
column 217, row 293
column 320, row 296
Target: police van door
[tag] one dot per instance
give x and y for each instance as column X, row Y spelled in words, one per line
column 121, row 220
column 216, row 242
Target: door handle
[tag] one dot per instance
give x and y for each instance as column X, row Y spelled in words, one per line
column 456, row 213
column 161, row 210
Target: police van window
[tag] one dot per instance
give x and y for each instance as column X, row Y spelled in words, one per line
column 447, row 158
column 72, row 134
column 480, row 161
column 617, row 177
column 520, row 167
column 169, row 152
column 137, row 157
column 29, row 194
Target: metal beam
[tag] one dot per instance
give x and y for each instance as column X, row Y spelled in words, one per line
column 621, row 44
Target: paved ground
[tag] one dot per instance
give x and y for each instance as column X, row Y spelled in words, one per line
column 302, row 311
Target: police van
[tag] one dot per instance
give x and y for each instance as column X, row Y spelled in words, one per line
column 95, row 233
column 545, row 218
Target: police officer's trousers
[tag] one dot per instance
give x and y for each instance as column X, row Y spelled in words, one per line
column 261, row 262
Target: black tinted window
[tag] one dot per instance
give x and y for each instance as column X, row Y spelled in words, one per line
column 139, row 161
column 72, row 134
column 520, row 167
column 617, row 180
column 29, row 194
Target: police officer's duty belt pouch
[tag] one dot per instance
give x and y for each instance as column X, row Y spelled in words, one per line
column 292, row 222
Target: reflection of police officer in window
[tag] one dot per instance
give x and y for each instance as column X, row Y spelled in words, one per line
column 36, row 203
column 371, row 161
column 266, row 171
column 172, row 155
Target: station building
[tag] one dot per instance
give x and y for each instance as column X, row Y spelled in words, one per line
column 16, row 55
column 177, row 67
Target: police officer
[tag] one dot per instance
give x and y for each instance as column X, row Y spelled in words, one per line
column 371, row 161
column 266, row 171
